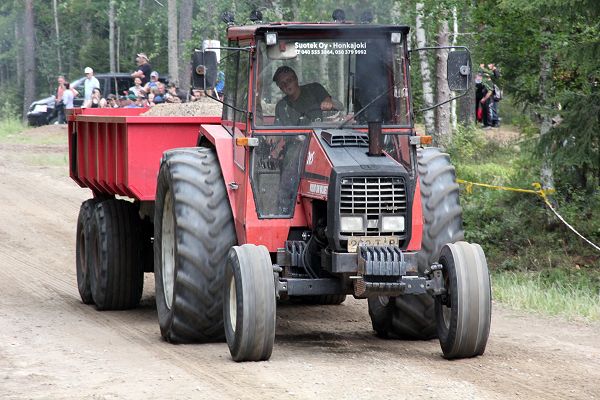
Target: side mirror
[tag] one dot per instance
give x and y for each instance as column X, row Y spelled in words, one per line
column 204, row 69
column 459, row 70
column 282, row 51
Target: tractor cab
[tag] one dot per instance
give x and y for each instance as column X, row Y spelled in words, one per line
column 361, row 69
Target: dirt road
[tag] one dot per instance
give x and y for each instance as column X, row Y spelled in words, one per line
column 54, row 347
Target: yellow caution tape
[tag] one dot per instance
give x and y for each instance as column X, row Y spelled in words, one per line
column 543, row 193
column 538, row 188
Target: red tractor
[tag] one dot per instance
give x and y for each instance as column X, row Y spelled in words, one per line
column 313, row 185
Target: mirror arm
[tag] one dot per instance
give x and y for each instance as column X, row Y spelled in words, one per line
column 447, row 101
column 441, row 48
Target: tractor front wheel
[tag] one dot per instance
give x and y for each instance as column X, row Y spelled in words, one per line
column 412, row 316
column 249, row 303
column 464, row 313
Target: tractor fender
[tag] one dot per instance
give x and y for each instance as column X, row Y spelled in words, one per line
column 221, row 139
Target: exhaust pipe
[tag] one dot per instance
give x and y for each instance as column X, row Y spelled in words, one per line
column 375, row 138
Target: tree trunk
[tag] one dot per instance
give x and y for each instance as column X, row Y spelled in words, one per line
column 111, row 36
column 118, row 48
column 546, row 173
column 466, row 104
column 58, row 55
column 425, row 73
column 453, row 114
column 19, row 56
column 443, row 134
column 172, row 41
column 29, row 57
column 186, row 10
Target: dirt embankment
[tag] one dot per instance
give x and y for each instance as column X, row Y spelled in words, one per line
column 54, row 347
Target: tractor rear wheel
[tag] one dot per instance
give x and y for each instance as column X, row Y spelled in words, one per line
column 249, row 303
column 116, row 273
column 82, row 250
column 464, row 313
column 193, row 232
column 413, row 316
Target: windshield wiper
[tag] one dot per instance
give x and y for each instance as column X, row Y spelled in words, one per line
column 367, row 106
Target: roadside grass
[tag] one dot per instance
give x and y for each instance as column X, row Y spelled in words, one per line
column 48, row 160
column 13, row 131
column 10, row 127
column 575, row 297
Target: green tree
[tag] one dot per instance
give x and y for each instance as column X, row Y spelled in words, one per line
column 550, row 66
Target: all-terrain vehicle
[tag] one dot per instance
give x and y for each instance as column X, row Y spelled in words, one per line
column 279, row 200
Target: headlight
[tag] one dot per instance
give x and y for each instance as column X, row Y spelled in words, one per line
column 392, row 224
column 352, row 224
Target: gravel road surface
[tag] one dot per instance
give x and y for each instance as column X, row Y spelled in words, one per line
column 54, row 347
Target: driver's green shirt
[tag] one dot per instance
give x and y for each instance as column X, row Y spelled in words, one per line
column 305, row 109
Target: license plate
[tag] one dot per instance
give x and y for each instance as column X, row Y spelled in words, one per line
column 356, row 241
column 40, row 108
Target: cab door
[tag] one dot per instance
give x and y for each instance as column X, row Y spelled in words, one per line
column 235, row 120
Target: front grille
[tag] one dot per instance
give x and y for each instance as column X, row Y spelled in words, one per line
column 373, row 197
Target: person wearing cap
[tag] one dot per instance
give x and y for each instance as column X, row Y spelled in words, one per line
column 153, row 84
column 89, row 84
column 144, row 68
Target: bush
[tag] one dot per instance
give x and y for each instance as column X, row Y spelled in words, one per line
column 517, row 230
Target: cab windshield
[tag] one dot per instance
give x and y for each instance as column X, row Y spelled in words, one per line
column 331, row 82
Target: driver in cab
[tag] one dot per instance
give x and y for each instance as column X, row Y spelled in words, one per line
column 301, row 104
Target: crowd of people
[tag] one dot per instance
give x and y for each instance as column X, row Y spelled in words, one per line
column 487, row 96
column 147, row 91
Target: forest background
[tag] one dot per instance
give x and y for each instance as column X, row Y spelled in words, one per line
column 548, row 52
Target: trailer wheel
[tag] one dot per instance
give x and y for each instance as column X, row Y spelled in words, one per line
column 249, row 303
column 464, row 313
column 412, row 316
column 117, row 275
column 82, row 250
column 193, row 232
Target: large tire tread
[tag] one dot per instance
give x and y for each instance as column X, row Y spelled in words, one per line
column 204, row 234
column 118, row 278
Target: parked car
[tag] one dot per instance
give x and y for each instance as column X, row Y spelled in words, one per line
column 42, row 112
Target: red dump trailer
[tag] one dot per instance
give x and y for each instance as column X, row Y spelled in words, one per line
column 118, row 151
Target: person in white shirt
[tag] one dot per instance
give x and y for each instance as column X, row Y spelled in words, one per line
column 68, row 96
column 89, row 84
